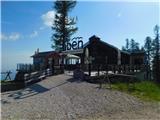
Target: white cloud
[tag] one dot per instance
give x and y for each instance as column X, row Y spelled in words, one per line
column 48, row 18
column 12, row 36
column 34, row 34
column 42, row 28
column 3, row 37
column 119, row 14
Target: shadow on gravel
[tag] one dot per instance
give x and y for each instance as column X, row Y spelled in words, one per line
column 4, row 101
column 28, row 92
column 37, row 89
column 59, row 85
column 71, row 80
column 74, row 80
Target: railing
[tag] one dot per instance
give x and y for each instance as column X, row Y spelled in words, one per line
column 36, row 76
column 25, row 67
column 125, row 69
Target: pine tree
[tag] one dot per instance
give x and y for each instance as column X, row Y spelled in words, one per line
column 137, row 46
column 124, row 49
column 148, row 49
column 127, row 44
column 134, row 46
column 64, row 26
column 131, row 46
column 156, row 55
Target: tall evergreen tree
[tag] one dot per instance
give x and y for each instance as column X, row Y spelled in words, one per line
column 134, row 46
column 156, row 55
column 127, row 44
column 137, row 46
column 124, row 49
column 148, row 49
column 131, row 46
column 64, row 26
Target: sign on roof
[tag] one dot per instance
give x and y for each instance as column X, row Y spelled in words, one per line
column 77, row 43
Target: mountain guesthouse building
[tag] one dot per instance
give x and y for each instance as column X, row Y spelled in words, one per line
column 95, row 51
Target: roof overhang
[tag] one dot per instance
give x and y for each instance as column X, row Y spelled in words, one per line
column 77, row 51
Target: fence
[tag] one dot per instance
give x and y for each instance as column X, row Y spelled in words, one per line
column 116, row 68
column 33, row 77
column 125, row 69
column 25, row 67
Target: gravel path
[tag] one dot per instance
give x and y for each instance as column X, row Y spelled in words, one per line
column 61, row 98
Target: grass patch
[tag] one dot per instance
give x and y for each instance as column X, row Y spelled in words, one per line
column 145, row 90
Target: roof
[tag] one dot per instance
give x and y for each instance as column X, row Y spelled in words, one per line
column 42, row 54
column 134, row 52
column 137, row 52
column 125, row 52
column 97, row 38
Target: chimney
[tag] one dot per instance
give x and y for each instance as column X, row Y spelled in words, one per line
column 94, row 38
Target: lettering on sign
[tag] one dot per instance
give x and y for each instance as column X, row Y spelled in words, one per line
column 77, row 43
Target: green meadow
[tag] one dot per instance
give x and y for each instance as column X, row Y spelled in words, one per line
column 145, row 90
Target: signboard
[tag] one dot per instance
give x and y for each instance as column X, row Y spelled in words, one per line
column 77, row 43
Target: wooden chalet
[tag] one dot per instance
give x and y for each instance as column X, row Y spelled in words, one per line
column 100, row 52
column 43, row 60
column 104, row 53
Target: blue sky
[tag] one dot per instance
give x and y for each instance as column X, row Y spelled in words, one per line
column 25, row 26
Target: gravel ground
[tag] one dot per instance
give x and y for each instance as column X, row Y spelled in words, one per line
column 62, row 98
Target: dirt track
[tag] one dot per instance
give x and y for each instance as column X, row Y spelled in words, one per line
column 62, row 98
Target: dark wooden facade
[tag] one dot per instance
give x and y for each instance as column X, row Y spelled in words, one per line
column 137, row 58
column 101, row 52
column 104, row 53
